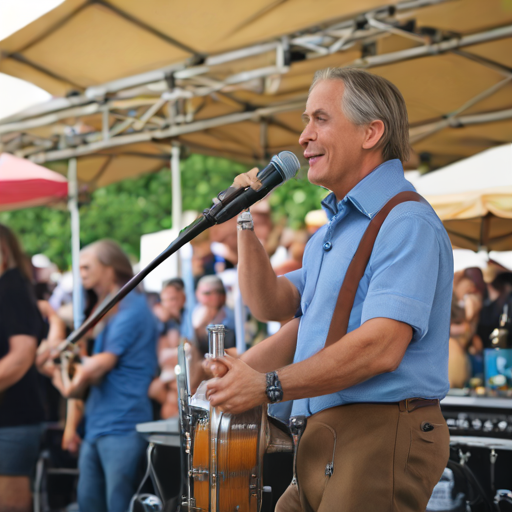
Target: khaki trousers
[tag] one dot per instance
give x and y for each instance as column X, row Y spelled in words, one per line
column 369, row 458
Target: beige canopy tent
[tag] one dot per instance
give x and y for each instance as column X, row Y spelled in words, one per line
column 231, row 78
column 473, row 198
column 477, row 220
column 134, row 81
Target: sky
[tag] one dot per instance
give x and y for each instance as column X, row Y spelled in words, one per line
column 15, row 94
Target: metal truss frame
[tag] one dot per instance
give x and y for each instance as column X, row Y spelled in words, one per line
column 158, row 105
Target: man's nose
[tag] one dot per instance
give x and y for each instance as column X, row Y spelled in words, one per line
column 307, row 135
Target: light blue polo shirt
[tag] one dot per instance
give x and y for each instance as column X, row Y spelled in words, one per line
column 409, row 278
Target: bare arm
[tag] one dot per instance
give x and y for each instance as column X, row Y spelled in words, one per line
column 376, row 347
column 276, row 351
column 90, row 372
column 268, row 297
column 57, row 330
column 74, row 413
column 16, row 363
column 268, row 355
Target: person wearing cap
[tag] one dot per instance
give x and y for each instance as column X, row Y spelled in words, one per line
column 375, row 438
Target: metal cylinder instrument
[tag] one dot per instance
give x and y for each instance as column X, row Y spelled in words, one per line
column 222, row 453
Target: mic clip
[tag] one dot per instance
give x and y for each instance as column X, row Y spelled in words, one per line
column 222, row 200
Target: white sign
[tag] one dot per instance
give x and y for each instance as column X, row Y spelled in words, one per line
column 151, row 246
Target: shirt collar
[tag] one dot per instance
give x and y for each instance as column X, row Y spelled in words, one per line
column 373, row 191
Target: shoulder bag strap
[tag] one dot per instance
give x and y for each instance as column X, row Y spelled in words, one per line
column 355, row 271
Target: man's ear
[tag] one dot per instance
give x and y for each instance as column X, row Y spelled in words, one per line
column 374, row 132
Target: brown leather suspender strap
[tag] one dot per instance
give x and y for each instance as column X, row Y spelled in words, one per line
column 355, row 271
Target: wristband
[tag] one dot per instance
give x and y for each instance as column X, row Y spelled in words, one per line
column 274, row 390
column 244, row 221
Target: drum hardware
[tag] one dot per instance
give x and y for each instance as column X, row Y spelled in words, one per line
column 222, row 453
column 464, row 457
column 492, row 457
column 503, row 500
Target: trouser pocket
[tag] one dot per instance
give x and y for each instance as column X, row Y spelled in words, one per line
column 315, row 463
column 429, row 449
column 423, row 444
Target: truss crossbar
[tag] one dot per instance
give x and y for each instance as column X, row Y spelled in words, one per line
column 163, row 108
column 174, row 131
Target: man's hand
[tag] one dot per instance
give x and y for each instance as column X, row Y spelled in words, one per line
column 68, row 386
column 241, row 388
column 71, row 441
column 247, row 179
column 214, row 368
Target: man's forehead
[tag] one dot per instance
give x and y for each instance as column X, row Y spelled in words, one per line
column 88, row 255
column 325, row 96
column 169, row 290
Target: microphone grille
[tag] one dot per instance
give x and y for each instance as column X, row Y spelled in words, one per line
column 287, row 163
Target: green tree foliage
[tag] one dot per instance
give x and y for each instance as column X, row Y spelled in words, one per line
column 124, row 211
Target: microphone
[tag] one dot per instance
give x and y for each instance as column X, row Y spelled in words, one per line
column 232, row 201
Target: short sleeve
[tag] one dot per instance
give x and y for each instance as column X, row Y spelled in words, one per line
column 121, row 331
column 404, row 268
column 20, row 315
column 296, row 277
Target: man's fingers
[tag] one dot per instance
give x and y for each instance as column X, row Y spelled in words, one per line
column 226, row 360
column 214, row 368
column 219, row 370
column 217, row 397
column 212, row 386
column 220, row 388
column 246, row 179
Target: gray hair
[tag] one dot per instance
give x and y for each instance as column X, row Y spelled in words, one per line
column 367, row 98
column 214, row 281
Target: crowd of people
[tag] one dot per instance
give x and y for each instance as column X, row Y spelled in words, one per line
column 480, row 305
column 121, row 372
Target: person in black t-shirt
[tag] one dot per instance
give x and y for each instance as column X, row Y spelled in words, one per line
column 21, row 410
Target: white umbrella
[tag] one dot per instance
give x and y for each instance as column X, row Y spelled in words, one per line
column 486, row 170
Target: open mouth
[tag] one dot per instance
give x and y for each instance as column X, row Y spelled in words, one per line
column 313, row 159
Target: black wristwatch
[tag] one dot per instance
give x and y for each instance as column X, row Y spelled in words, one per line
column 274, row 390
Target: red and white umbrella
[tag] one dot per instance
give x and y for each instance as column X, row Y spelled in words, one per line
column 24, row 184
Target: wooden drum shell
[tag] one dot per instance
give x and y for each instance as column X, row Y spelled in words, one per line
column 227, row 459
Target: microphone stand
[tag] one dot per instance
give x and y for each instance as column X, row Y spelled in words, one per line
column 216, row 214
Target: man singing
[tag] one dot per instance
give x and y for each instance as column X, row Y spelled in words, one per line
column 375, row 439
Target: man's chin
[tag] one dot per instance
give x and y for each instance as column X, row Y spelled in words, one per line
column 314, row 176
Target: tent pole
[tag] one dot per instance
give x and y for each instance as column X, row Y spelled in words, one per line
column 75, row 242
column 185, row 259
column 176, row 195
column 176, row 187
column 239, row 319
